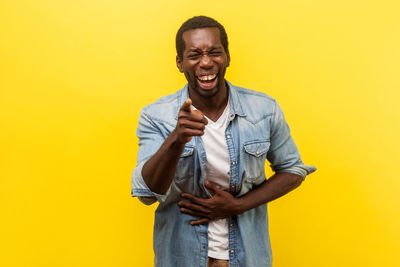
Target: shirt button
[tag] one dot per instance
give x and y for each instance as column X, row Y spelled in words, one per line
column 228, row 136
column 204, row 246
column 232, row 186
column 233, row 163
column 257, row 152
column 231, row 225
column 232, row 251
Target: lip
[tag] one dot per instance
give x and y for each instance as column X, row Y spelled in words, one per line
column 206, row 74
column 207, row 85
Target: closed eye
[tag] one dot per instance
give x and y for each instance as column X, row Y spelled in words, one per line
column 193, row 56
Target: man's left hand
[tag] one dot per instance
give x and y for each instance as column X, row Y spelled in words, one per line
column 221, row 205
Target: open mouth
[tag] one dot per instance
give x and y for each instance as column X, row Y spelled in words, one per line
column 207, row 81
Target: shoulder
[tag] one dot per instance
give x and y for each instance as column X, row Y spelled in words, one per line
column 163, row 109
column 253, row 95
column 255, row 103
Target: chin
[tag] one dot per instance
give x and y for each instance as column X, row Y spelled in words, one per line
column 207, row 93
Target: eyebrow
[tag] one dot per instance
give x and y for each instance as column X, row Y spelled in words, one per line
column 196, row 49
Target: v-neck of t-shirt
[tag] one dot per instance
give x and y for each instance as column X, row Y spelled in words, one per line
column 221, row 120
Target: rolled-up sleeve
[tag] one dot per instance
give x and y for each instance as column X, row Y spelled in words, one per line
column 150, row 140
column 283, row 153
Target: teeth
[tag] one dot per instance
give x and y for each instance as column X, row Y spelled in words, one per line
column 207, row 77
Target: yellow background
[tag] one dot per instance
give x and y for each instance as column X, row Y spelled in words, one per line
column 74, row 75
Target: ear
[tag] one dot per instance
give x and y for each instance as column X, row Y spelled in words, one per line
column 228, row 58
column 179, row 64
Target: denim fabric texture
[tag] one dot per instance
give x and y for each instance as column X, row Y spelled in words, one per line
column 256, row 132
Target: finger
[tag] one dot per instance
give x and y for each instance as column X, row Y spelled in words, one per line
column 191, row 124
column 195, row 199
column 192, row 116
column 211, row 186
column 200, row 221
column 192, row 132
column 193, row 213
column 193, row 207
column 186, row 105
column 200, row 116
column 205, row 121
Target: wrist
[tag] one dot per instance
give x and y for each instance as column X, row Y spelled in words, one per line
column 240, row 206
column 175, row 140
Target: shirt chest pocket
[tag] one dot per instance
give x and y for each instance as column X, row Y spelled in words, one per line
column 185, row 167
column 254, row 159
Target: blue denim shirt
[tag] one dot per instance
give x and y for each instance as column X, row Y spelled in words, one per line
column 256, row 131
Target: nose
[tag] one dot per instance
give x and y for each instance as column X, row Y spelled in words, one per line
column 206, row 62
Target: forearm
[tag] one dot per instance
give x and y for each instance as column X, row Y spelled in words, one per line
column 278, row 185
column 158, row 172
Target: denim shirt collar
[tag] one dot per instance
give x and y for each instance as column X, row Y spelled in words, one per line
column 235, row 105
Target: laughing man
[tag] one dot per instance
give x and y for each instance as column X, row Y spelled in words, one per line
column 202, row 154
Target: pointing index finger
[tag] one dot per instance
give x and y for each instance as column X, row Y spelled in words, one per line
column 186, row 105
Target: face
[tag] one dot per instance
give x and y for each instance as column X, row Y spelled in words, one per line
column 204, row 61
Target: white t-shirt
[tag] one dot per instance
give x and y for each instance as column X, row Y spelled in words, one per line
column 217, row 171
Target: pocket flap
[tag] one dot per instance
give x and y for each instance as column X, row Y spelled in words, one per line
column 257, row 148
column 187, row 151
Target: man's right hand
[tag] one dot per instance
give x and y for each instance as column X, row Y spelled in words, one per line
column 190, row 123
column 158, row 172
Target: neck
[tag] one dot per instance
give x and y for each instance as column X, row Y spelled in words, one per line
column 212, row 107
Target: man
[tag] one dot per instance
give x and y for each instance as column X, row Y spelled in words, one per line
column 202, row 154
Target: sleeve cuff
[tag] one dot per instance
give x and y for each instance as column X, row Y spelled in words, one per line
column 302, row 170
column 142, row 191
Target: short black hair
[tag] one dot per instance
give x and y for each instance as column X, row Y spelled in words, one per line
column 196, row 23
